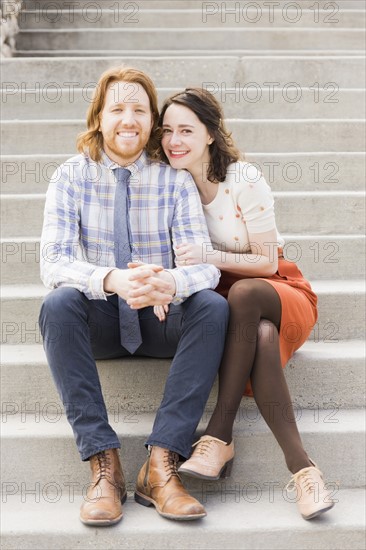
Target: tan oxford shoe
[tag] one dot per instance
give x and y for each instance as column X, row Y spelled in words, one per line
column 107, row 491
column 212, row 459
column 159, row 484
column 313, row 498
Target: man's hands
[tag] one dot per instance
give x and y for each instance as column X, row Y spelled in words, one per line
column 141, row 285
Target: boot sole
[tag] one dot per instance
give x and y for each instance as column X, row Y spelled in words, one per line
column 147, row 501
column 104, row 522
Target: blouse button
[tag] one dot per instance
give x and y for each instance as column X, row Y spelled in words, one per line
column 237, row 215
column 227, row 191
column 221, row 217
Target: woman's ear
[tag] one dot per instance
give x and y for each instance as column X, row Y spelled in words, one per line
column 211, row 140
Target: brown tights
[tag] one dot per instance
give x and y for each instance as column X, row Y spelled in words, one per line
column 252, row 351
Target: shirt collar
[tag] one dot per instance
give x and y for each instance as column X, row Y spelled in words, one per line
column 134, row 167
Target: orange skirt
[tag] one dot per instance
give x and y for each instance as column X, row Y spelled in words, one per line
column 299, row 307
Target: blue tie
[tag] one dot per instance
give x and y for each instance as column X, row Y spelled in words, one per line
column 128, row 318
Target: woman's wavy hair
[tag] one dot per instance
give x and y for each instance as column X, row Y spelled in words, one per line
column 206, row 107
column 90, row 142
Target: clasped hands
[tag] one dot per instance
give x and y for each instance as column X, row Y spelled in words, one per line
column 141, row 285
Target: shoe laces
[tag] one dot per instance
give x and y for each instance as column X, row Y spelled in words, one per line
column 204, row 444
column 171, row 460
column 104, row 464
column 307, row 480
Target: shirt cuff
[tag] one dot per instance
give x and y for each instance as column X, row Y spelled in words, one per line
column 96, row 283
column 181, row 286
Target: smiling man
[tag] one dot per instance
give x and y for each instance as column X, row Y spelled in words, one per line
column 113, row 218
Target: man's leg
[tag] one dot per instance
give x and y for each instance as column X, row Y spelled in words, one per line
column 198, row 329
column 74, row 329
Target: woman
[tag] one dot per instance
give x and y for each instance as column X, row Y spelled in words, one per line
column 272, row 307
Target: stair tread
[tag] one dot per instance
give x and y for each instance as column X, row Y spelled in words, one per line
column 225, row 521
column 346, row 349
column 138, row 424
column 326, row 286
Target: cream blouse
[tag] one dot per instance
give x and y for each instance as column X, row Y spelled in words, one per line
column 243, row 204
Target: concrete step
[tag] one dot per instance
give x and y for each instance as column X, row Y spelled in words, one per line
column 249, row 15
column 321, row 375
column 334, row 212
column 173, row 5
column 184, row 53
column 253, row 102
column 191, row 39
column 341, row 312
column 27, row 137
column 319, row 257
column 35, row 524
column 258, row 459
column 284, row 171
column 345, row 71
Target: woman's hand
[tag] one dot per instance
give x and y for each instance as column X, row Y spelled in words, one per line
column 190, row 254
column 161, row 311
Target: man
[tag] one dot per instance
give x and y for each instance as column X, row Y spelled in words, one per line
column 113, row 217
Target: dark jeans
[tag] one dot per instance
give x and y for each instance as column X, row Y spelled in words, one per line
column 76, row 331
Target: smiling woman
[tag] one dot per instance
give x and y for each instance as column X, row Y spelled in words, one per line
column 272, row 307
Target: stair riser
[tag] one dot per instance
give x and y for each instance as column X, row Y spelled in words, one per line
column 330, row 214
column 319, row 258
column 255, row 102
column 340, row 317
column 316, row 171
column 218, row 39
column 258, row 460
column 183, row 4
column 257, row 136
column 248, row 16
column 346, row 72
column 137, row 387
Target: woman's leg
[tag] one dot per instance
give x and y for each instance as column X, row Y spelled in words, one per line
column 248, row 349
column 273, row 398
column 250, row 300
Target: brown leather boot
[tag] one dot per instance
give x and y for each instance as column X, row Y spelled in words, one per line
column 107, row 491
column 159, row 484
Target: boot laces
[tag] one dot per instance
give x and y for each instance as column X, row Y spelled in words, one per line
column 104, row 464
column 171, row 460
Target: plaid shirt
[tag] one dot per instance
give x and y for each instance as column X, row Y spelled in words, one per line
column 77, row 241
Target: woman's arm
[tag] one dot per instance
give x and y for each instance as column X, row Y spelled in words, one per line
column 262, row 261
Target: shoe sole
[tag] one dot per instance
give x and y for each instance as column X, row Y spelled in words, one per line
column 147, row 501
column 223, row 474
column 319, row 512
column 104, row 522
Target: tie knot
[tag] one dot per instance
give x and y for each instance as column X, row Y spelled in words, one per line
column 122, row 175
